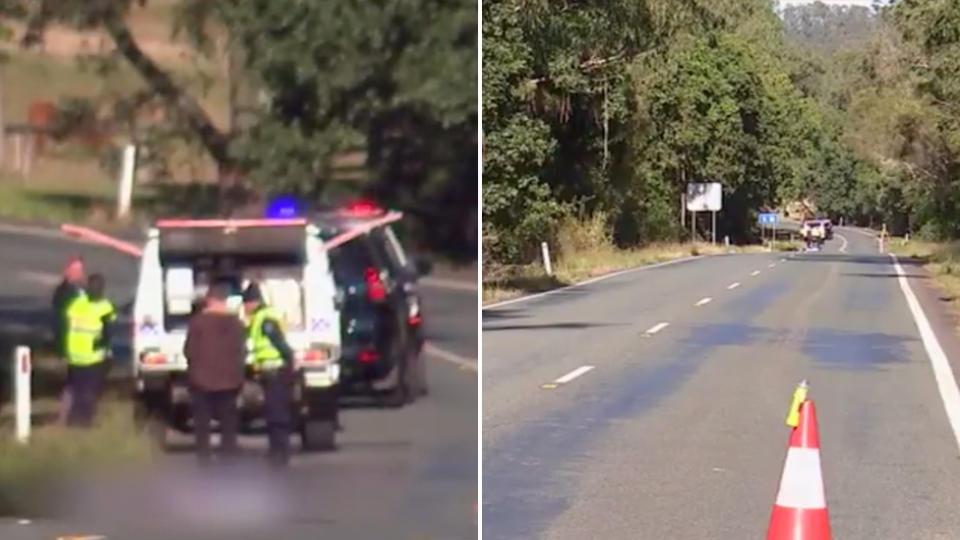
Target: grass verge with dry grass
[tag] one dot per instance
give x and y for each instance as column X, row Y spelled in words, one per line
column 32, row 474
column 509, row 282
column 940, row 259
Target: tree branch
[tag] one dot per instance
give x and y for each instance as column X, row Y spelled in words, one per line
column 215, row 142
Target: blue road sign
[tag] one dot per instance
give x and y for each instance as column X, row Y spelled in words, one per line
column 768, row 219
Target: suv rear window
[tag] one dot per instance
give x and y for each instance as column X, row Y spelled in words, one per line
column 351, row 259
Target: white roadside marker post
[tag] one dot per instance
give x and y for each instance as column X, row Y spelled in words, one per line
column 21, row 392
column 546, row 258
column 125, row 187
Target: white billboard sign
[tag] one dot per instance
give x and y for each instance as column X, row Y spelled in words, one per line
column 704, row 197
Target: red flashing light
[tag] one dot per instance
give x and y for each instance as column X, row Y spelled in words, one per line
column 363, row 208
column 369, row 357
column 376, row 292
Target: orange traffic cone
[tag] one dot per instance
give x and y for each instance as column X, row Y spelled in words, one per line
column 800, row 512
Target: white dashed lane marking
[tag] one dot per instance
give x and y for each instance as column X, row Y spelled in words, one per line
column 656, row 328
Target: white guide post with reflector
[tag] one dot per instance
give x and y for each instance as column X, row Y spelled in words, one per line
column 21, row 391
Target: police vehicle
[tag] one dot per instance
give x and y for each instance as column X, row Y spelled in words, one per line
column 181, row 259
column 381, row 307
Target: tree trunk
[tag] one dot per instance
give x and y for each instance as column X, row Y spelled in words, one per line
column 213, row 140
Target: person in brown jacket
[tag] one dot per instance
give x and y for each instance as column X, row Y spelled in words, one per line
column 215, row 349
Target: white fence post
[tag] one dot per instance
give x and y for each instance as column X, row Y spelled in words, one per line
column 125, row 189
column 546, row 258
column 21, row 370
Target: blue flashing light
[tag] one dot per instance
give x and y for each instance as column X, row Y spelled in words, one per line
column 284, row 207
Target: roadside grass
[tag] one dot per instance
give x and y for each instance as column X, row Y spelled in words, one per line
column 940, row 259
column 32, row 474
column 506, row 282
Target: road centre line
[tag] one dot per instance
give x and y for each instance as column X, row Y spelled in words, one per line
column 656, row 328
column 942, row 372
column 573, row 375
column 771, row 265
column 733, row 286
column 704, row 301
column 755, row 273
column 843, row 248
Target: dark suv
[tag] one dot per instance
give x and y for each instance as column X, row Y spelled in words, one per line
column 380, row 306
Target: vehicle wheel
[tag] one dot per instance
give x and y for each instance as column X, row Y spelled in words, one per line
column 150, row 420
column 418, row 375
column 399, row 395
column 318, row 435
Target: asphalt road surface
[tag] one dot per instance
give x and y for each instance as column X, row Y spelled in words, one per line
column 405, row 474
column 652, row 404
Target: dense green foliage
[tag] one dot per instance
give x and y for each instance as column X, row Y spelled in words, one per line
column 856, row 111
column 394, row 80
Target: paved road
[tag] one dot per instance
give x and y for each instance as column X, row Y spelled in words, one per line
column 677, row 431
column 410, row 473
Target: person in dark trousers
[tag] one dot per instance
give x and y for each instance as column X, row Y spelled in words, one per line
column 90, row 318
column 215, row 349
column 273, row 364
column 69, row 288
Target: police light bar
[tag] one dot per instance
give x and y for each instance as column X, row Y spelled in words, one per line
column 363, row 208
column 284, row 207
column 232, row 223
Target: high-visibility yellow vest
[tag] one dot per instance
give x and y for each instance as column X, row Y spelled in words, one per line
column 85, row 320
column 263, row 354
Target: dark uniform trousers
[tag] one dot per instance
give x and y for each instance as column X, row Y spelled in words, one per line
column 219, row 404
column 278, row 404
column 85, row 384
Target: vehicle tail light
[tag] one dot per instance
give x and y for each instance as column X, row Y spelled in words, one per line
column 153, row 358
column 363, row 208
column 369, row 357
column 376, row 292
column 415, row 320
column 313, row 356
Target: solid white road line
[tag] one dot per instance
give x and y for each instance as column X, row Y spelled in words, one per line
column 946, row 382
column 865, row 233
column 843, row 248
column 755, row 273
column 733, row 286
column 573, row 375
column 41, row 232
column 453, row 284
column 589, row 281
column 463, row 362
column 657, row 327
column 46, row 279
column 703, row 301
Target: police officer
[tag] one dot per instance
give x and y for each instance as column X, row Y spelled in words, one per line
column 273, row 364
column 66, row 292
column 89, row 320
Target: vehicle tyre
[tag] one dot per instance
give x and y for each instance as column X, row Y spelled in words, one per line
column 149, row 419
column 318, row 435
column 418, row 375
column 399, row 395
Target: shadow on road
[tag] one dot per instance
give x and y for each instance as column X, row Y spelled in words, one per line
column 893, row 275
column 858, row 259
column 548, row 326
